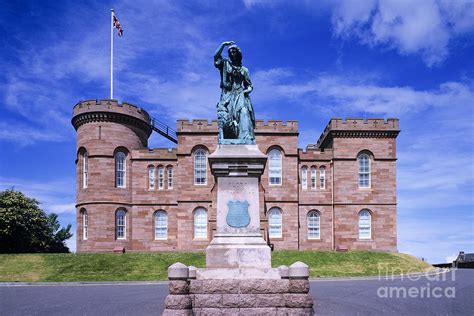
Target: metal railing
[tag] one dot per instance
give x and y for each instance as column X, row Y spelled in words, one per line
column 164, row 130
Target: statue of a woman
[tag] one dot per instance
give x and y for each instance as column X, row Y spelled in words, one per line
column 235, row 114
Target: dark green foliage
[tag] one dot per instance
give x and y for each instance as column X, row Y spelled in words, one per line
column 24, row 227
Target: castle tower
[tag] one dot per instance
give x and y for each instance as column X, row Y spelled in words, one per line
column 107, row 132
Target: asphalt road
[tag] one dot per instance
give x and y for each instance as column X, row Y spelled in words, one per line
column 450, row 293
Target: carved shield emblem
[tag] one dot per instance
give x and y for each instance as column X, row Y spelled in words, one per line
column 238, row 214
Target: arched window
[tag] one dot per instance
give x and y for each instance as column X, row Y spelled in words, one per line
column 85, row 170
column 85, row 224
column 322, row 177
column 364, row 170
column 274, row 167
column 151, row 177
column 304, row 178
column 120, row 224
column 120, row 170
column 313, row 177
column 161, row 225
column 200, row 167
column 200, row 223
column 275, row 223
column 313, row 225
column 161, row 178
column 169, row 170
column 365, row 224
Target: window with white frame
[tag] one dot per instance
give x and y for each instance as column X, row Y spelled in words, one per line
column 120, row 224
column 363, row 161
column 161, row 178
column 120, row 170
column 313, row 177
column 161, row 225
column 85, row 224
column 313, row 225
column 200, row 167
column 151, row 177
column 304, row 178
column 200, row 223
column 275, row 223
column 169, row 170
column 322, row 178
column 365, row 224
column 85, row 170
column 274, row 167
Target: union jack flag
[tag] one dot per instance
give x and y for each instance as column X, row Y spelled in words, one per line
column 118, row 26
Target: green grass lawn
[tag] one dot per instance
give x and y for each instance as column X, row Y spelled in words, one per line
column 153, row 266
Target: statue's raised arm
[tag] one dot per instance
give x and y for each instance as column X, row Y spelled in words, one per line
column 235, row 114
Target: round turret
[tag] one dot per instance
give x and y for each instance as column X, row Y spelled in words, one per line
column 106, row 134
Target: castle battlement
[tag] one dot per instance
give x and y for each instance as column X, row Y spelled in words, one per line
column 196, row 126
column 206, row 126
column 276, row 126
column 155, row 154
column 358, row 127
column 312, row 153
column 114, row 106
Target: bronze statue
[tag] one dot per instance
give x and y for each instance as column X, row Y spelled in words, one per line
column 235, row 115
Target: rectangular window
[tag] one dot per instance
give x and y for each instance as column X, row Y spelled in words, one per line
column 170, row 178
column 151, row 178
column 200, row 224
column 322, row 178
column 85, row 170
column 120, row 222
column 304, row 178
column 120, row 168
column 200, row 167
column 313, row 226
column 161, row 226
column 85, row 224
column 364, row 171
column 313, row 178
column 161, row 177
column 365, row 230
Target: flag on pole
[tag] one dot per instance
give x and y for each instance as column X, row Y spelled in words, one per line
column 118, row 26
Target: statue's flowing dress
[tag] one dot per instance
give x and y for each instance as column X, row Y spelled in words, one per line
column 234, row 105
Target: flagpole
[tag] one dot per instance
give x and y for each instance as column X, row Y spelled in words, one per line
column 111, row 53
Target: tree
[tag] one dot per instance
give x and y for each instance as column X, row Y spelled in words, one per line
column 24, row 227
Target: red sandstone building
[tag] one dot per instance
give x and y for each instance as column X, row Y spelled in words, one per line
column 337, row 194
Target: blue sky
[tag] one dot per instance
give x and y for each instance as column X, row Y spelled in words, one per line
column 308, row 60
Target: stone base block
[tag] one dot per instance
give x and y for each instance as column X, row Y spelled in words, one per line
column 238, row 252
column 237, row 274
column 234, row 292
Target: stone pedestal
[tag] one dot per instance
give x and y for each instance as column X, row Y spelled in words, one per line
column 286, row 295
column 238, row 278
column 238, row 242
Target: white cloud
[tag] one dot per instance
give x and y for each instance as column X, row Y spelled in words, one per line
column 421, row 27
column 54, row 196
column 357, row 94
column 25, row 135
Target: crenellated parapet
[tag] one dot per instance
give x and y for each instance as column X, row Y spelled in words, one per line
column 358, row 128
column 196, row 126
column 314, row 154
column 276, row 126
column 262, row 127
column 95, row 111
column 165, row 154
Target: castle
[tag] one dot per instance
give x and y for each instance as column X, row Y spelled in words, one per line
column 337, row 194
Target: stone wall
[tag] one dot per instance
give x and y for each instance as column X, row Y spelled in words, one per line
column 101, row 134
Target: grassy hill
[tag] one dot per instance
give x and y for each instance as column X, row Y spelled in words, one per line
column 153, row 266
